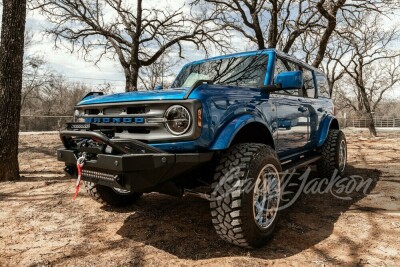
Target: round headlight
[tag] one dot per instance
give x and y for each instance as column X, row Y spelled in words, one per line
column 78, row 115
column 178, row 120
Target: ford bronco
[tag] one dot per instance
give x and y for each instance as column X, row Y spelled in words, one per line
column 226, row 130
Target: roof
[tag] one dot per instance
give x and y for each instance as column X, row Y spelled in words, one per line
column 255, row 52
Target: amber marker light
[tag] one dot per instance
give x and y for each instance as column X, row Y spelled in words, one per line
column 199, row 117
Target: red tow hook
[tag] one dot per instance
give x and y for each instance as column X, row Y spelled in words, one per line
column 79, row 165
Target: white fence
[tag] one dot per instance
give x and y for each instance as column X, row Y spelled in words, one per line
column 381, row 122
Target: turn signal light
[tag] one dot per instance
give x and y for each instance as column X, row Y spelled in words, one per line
column 199, row 118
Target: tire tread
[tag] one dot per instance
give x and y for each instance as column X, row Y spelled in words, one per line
column 226, row 208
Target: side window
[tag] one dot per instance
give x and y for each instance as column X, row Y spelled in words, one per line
column 309, row 88
column 322, row 84
column 282, row 65
column 293, row 66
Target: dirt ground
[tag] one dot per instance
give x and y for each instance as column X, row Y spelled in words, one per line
column 40, row 225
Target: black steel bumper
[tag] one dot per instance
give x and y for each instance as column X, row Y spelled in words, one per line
column 132, row 165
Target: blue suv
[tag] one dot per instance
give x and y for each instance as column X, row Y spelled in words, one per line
column 226, row 130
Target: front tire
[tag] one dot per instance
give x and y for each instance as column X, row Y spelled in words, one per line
column 333, row 155
column 246, row 195
column 111, row 196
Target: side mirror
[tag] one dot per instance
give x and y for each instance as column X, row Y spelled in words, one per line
column 158, row 87
column 289, row 80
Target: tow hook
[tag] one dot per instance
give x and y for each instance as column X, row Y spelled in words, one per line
column 79, row 165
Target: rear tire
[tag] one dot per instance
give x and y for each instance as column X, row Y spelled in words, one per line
column 238, row 204
column 334, row 155
column 110, row 196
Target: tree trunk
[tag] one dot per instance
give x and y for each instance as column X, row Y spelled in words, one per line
column 11, row 65
column 134, row 66
column 324, row 43
column 131, row 78
column 371, row 125
column 292, row 38
column 273, row 27
column 331, row 84
column 367, row 107
column 134, row 78
column 330, row 28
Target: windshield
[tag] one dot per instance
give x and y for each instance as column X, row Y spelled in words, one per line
column 246, row 71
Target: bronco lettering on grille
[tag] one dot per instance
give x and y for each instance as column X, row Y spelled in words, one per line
column 114, row 120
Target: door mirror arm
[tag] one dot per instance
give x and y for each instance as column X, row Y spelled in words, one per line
column 271, row 88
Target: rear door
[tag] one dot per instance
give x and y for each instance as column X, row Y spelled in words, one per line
column 323, row 104
column 309, row 102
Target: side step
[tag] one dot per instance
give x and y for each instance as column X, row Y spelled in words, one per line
column 289, row 166
column 298, row 164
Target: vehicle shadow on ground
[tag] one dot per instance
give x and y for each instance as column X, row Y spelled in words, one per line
column 182, row 227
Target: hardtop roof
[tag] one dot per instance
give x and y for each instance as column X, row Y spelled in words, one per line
column 255, row 52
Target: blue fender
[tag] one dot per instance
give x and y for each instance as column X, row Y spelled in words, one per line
column 324, row 127
column 230, row 130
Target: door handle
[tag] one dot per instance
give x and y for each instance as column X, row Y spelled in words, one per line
column 302, row 108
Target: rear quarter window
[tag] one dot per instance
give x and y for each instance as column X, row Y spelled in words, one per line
column 322, row 84
column 309, row 87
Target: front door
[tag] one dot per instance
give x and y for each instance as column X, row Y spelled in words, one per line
column 293, row 124
column 293, row 116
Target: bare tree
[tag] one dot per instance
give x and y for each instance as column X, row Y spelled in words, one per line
column 285, row 24
column 160, row 73
column 136, row 35
column 288, row 20
column 335, row 53
column 53, row 96
column 11, row 65
column 34, row 77
column 267, row 23
column 373, row 67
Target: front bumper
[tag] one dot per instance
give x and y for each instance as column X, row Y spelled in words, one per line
column 132, row 165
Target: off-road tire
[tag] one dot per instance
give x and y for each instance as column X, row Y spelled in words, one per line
column 108, row 196
column 329, row 162
column 232, row 210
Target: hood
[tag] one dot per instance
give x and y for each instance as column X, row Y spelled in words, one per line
column 167, row 94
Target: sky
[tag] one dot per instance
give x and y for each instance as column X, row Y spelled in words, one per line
column 75, row 69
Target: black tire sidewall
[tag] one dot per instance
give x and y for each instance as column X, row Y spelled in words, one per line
column 340, row 138
column 328, row 165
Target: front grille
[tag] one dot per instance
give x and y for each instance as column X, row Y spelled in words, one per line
column 130, row 120
column 137, row 110
column 92, row 111
column 141, row 120
column 99, row 175
column 129, row 110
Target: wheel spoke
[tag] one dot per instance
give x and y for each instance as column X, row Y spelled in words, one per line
column 266, row 196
